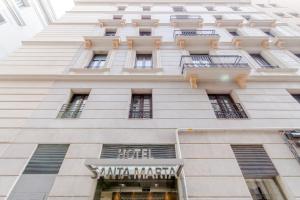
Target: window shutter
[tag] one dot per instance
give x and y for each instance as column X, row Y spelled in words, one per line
column 254, row 161
column 47, row 159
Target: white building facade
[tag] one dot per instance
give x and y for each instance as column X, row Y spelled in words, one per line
column 187, row 100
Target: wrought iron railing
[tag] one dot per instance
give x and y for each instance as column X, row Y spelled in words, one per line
column 236, row 112
column 140, row 113
column 70, row 111
column 194, row 32
column 212, row 61
column 265, row 66
column 292, row 145
column 184, row 17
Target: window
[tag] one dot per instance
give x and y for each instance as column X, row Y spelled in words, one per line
column 235, row 8
column 225, row 107
column 46, row 159
column 262, row 5
column 297, row 54
column 145, row 32
column 110, row 32
column 143, row 61
column 2, row 20
column 146, row 17
column 274, row 5
column 121, row 8
column 269, row 33
column 179, row 9
column 117, row 17
column 247, row 17
column 297, row 97
column 233, row 33
column 74, row 108
column 295, row 14
column 146, row 8
column 98, row 61
column 259, row 172
column 261, row 61
column 141, row 106
column 21, row 3
column 210, row 8
column 218, row 17
column 280, row 14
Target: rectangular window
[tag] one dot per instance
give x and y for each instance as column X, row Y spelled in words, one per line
column 146, row 17
column 225, row 107
column 46, row 159
column 145, row 32
column 141, row 106
column 117, row 17
column 74, row 108
column 247, row 17
column 269, row 33
column 235, row 8
column 98, row 61
column 2, row 20
column 143, row 61
column 295, row 14
column 297, row 97
column 110, row 32
column 121, row 8
column 210, row 8
column 218, row 17
column 21, row 3
column 178, row 9
column 146, row 8
column 233, row 33
column 261, row 61
column 259, row 172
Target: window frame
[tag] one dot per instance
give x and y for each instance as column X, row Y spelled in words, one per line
column 144, row 60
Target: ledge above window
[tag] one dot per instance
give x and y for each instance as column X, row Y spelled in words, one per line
column 108, row 41
column 250, row 41
column 111, row 22
column 145, row 22
column 287, row 41
column 277, row 69
column 186, row 20
column 144, row 41
column 229, row 22
column 261, row 22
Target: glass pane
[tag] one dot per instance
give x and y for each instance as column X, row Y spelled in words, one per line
column 264, row 189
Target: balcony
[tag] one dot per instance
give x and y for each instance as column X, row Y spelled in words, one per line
column 215, row 68
column 101, row 41
column 145, row 22
column 186, row 20
column 144, row 41
column 250, row 41
column 292, row 139
column 70, row 111
column 237, row 112
column 194, row 38
column 111, row 22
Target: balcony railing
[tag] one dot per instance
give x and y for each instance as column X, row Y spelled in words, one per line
column 192, row 32
column 236, row 112
column 185, row 17
column 70, row 111
column 212, row 61
column 140, row 113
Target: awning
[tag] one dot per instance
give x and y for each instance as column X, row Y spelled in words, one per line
column 135, row 168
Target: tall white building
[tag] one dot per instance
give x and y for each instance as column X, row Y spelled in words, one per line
column 168, row 100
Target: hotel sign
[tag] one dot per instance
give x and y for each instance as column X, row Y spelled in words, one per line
column 136, row 162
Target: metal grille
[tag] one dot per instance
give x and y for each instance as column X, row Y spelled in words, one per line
column 74, row 108
column 157, row 151
column 141, row 106
column 212, row 61
column 194, row 32
column 254, row 161
column 47, row 159
column 261, row 61
column 224, row 107
column 145, row 195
